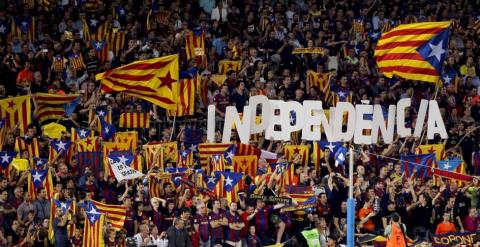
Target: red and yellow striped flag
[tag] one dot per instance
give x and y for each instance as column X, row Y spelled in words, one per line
column 184, row 159
column 116, row 41
column 39, row 178
column 154, row 80
column 226, row 65
column 93, row 234
column 208, row 149
column 437, row 149
column 414, row 51
column 320, row 81
column 89, row 144
column 109, row 147
column 186, row 100
column 134, row 120
column 31, row 145
column 358, row 26
column 150, row 151
column 76, row 61
column 16, row 110
column 195, row 43
column 23, row 26
column 51, row 106
column 115, row 214
column 292, row 150
column 128, row 137
column 246, row 164
column 154, row 186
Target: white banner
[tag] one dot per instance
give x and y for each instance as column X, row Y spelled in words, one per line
column 123, row 172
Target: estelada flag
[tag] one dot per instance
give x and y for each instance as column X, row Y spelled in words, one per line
column 246, row 164
column 23, row 26
column 101, row 48
column 16, row 110
column 320, row 81
column 89, row 144
column 168, row 153
column 31, row 145
column 437, row 149
column 115, row 41
column 206, row 150
column 134, row 120
column 93, row 233
column 128, row 137
column 452, row 169
column 292, row 150
column 62, row 148
column 184, row 158
column 226, row 65
column 52, row 106
column 154, row 80
column 40, row 178
column 109, row 147
column 414, row 51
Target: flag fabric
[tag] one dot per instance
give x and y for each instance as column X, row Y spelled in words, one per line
column 154, row 186
column 206, row 150
column 6, row 159
column 31, row 145
column 211, row 181
column 39, row 163
column 246, row 164
column 40, row 178
column 195, row 45
column 169, row 151
column 232, row 185
column 108, row 130
column 414, row 51
column 100, row 112
column 451, row 77
column 92, row 160
column 66, row 206
column 16, row 110
column 94, row 30
column 158, row 15
column 341, row 156
column 154, row 80
column 89, row 144
column 101, row 49
column 116, row 41
column 58, row 63
column 5, row 28
column 320, row 81
column 192, row 138
column 358, row 26
column 229, row 154
column 288, row 173
column 53, row 130
column 20, row 164
column 319, row 151
column 342, row 95
column 186, row 97
column 452, row 169
column 150, row 151
column 292, row 150
column 218, row 79
column 23, row 26
column 80, row 133
column 93, row 232
column 134, row 120
column 437, row 149
column 217, row 163
column 120, row 163
column 226, row 65
column 114, row 214
column 184, row 158
column 128, row 137
column 62, row 148
column 111, row 147
column 246, row 149
column 76, row 61
column 54, row 106
column 3, row 132
column 422, row 163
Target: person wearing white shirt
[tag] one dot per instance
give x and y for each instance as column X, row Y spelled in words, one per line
column 158, row 240
column 219, row 13
column 141, row 238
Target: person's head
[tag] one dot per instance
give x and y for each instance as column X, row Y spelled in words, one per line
column 179, row 223
column 446, row 216
column 233, row 206
column 395, row 217
column 186, row 212
column 361, row 170
column 251, row 230
column 472, row 212
column 202, row 208
column 59, row 211
column 391, row 206
column 343, row 206
column 422, row 198
column 323, row 198
column 216, row 205
column 260, row 204
column 143, row 230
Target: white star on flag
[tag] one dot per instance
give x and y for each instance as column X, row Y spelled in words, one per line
column 341, row 94
column 437, row 50
column 101, row 113
column 228, row 181
column 98, row 45
column 24, row 23
column 39, row 162
column 5, row 158
column 92, row 219
column 107, row 130
column 230, row 155
column 83, row 133
column 193, row 148
column 93, row 211
column 447, row 79
column 341, row 157
column 93, row 23
column 63, row 205
column 330, row 146
column 122, row 12
column 211, row 180
column 2, row 29
column 123, row 160
column 37, row 176
column 184, row 153
column 446, row 166
column 61, row 145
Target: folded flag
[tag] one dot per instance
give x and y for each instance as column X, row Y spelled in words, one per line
column 53, row 130
column 414, row 51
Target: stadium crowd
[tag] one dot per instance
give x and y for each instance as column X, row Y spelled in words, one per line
column 261, row 36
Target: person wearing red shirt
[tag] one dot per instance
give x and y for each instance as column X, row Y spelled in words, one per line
column 25, row 77
column 471, row 222
column 446, row 226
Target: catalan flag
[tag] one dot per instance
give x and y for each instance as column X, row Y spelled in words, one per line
column 111, row 147
column 102, row 49
column 128, row 137
column 342, row 95
column 320, row 81
column 66, row 206
column 218, row 79
column 150, row 151
column 154, row 186
column 62, row 148
column 52, row 106
column 226, row 65
column 169, row 151
column 80, row 133
column 16, row 110
column 233, row 183
column 93, row 232
column 219, row 188
column 288, row 173
column 6, row 159
column 451, row 77
column 452, row 169
column 422, row 163
column 120, row 13
column 76, row 61
column 115, row 214
column 246, row 149
column 89, row 144
column 184, row 158
column 92, row 160
column 292, row 150
column 208, row 149
column 154, row 80
column 23, row 26
column 195, row 45
column 116, row 41
column 40, row 178
column 30, row 144
column 39, row 163
column 358, row 26
column 217, row 163
column 186, row 100
column 5, row 28
column 102, row 112
column 437, row 149
column 159, row 15
column 94, row 29
column 127, row 158
column 414, row 51
column 319, row 151
column 58, row 63
column 134, row 120
column 108, row 130
column 3, row 132
column 246, row 164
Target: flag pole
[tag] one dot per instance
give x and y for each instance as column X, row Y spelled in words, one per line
column 173, row 126
column 350, row 204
